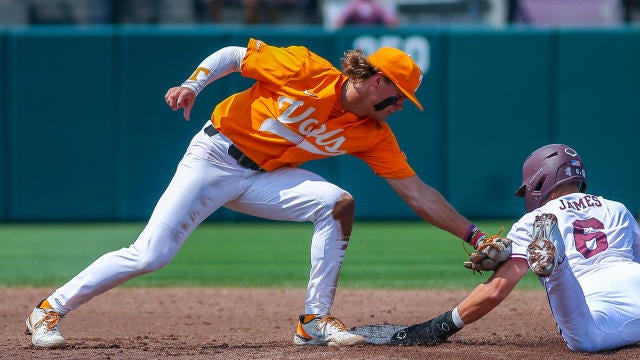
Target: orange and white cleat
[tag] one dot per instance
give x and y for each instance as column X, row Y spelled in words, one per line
column 44, row 326
column 324, row 330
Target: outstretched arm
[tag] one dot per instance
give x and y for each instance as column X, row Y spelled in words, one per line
column 484, row 298
column 430, row 205
column 214, row 67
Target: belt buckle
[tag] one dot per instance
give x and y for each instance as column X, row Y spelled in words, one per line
column 245, row 162
column 242, row 161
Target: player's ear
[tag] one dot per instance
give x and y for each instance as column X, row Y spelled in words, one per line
column 376, row 80
column 379, row 78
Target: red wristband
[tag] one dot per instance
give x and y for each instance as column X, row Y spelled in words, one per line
column 472, row 235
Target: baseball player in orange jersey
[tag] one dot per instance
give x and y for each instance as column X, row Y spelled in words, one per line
column 584, row 248
column 300, row 108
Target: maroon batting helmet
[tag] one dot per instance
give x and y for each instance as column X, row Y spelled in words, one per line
column 545, row 169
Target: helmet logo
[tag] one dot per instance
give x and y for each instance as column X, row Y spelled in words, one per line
column 567, row 171
column 569, row 151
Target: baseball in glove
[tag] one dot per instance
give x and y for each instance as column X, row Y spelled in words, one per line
column 489, row 253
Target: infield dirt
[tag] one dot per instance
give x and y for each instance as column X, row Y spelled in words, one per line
column 212, row 323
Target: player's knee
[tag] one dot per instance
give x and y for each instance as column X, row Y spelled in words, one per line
column 344, row 208
column 153, row 249
column 344, row 212
column 583, row 345
column 151, row 262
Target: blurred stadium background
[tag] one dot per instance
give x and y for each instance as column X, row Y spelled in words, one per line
column 85, row 135
column 308, row 12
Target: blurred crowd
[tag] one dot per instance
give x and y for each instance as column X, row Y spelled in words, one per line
column 331, row 13
column 157, row 11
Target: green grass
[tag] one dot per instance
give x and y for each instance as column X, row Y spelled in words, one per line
column 411, row 255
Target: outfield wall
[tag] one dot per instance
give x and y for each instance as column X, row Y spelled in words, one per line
column 85, row 133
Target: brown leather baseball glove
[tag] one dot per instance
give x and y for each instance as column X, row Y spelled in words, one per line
column 489, row 253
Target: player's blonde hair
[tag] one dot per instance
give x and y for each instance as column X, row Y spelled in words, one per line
column 356, row 65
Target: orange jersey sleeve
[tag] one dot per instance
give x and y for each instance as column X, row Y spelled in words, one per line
column 292, row 114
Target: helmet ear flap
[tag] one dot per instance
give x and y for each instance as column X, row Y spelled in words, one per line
column 583, row 186
column 534, row 196
column 540, row 183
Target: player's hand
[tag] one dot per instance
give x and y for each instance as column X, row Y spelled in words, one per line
column 429, row 333
column 181, row 98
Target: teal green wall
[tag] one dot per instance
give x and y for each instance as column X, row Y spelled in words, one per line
column 597, row 108
column 85, row 133
column 498, row 101
column 4, row 136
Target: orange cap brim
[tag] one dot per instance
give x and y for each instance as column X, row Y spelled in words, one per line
column 411, row 97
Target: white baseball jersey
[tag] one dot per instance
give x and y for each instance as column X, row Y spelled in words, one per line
column 594, row 293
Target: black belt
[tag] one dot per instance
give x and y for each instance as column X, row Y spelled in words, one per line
column 242, row 159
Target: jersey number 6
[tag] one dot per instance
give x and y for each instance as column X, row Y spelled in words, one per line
column 589, row 241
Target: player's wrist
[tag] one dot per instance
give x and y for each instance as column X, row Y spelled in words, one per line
column 444, row 326
column 193, row 85
column 472, row 235
column 456, row 318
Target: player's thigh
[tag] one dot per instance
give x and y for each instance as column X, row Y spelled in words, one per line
column 616, row 305
column 197, row 189
column 290, row 194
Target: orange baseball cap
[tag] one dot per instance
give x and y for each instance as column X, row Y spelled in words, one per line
column 399, row 68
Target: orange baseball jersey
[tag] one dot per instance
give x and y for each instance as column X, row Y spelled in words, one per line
column 293, row 114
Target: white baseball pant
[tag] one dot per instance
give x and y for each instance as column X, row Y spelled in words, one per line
column 206, row 179
column 607, row 316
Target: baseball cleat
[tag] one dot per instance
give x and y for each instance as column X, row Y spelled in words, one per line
column 324, row 330
column 547, row 247
column 44, row 327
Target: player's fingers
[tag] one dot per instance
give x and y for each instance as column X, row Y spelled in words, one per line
column 167, row 95
column 186, row 103
column 187, row 113
column 182, row 101
column 171, row 98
